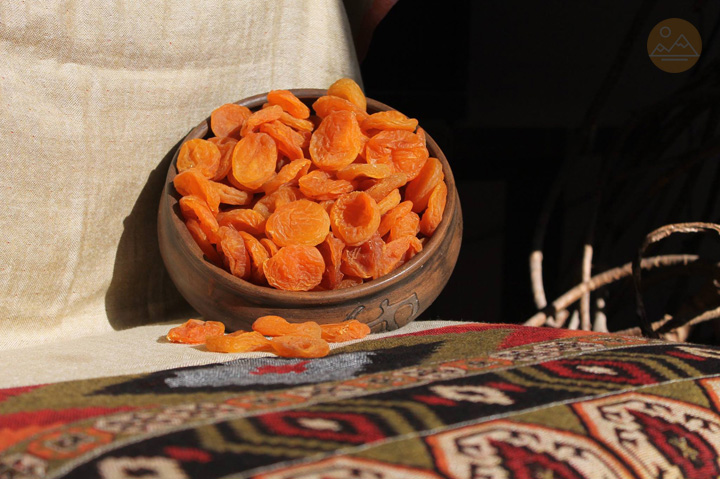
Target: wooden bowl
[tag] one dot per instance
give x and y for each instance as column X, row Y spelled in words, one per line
column 386, row 303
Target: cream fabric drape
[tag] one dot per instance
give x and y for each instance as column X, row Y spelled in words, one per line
column 93, row 98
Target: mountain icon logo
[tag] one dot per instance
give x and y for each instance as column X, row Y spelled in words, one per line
column 674, row 45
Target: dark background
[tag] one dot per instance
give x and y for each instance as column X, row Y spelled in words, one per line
column 505, row 88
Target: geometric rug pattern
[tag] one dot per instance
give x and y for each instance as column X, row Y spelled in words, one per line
column 464, row 401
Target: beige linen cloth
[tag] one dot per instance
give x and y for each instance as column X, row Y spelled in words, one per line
column 93, row 98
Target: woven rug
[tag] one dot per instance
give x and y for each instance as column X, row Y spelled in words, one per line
column 465, row 400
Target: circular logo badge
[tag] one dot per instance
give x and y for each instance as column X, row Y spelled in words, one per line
column 674, row 45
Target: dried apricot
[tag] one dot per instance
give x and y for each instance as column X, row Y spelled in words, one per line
column 336, row 142
column 354, row 218
column 318, row 185
column 193, row 182
column 297, row 124
column 202, row 241
column 294, row 346
column 235, row 255
column 363, row 261
column 331, row 250
column 201, row 154
column 418, row 190
column 403, row 149
column 264, row 115
column 254, row 159
column 283, row 195
column 269, row 246
column 226, row 146
column 195, row 331
column 195, row 207
column 407, row 225
column 391, row 217
column 258, row 255
column 228, row 119
column 231, row 196
column 295, row 268
column 363, row 169
column 289, row 142
column 389, row 202
column 348, row 89
column 344, row 331
column 243, row 219
column 395, row 253
column 299, row 222
column 384, row 186
column 435, row 209
column 287, row 175
column 289, row 102
column 388, row 120
column 326, row 105
column 274, row 326
column 239, row 342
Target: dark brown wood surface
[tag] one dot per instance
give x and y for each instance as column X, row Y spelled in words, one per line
column 384, row 304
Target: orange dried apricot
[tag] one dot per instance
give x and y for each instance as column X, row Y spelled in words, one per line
column 363, row 261
column 354, row 170
column 301, row 198
column 295, row 268
column 392, row 216
column 228, row 119
column 354, row 218
column 388, row 120
column 193, row 182
column 239, row 342
column 254, row 159
column 418, row 190
column 235, row 255
column 326, row 105
column 337, row 141
column 195, row 207
column 344, row 331
column 331, row 250
column 201, row 154
column 289, row 142
column 396, row 252
column 226, row 146
column 390, row 201
column 243, row 219
column 403, row 149
column 299, row 222
column 289, row 103
column 269, row 246
column 407, row 225
column 231, row 196
column 348, row 89
column 264, row 115
column 384, row 186
column 287, row 175
column 274, row 326
column 435, row 209
column 258, row 255
column 296, row 346
column 318, row 185
column 195, row 331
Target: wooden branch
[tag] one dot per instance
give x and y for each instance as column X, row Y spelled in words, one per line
column 608, row 277
column 652, row 238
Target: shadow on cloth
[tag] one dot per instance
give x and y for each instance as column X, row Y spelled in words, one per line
column 141, row 291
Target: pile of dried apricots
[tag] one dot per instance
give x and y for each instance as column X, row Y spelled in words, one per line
column 301, row 201
column 291, row 340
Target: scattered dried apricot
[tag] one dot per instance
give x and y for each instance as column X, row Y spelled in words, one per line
column 195, row 331
column 238, row 342
column 345, row 331
column 296, row 346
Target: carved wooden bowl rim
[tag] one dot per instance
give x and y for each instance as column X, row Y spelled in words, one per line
column 267, row 294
